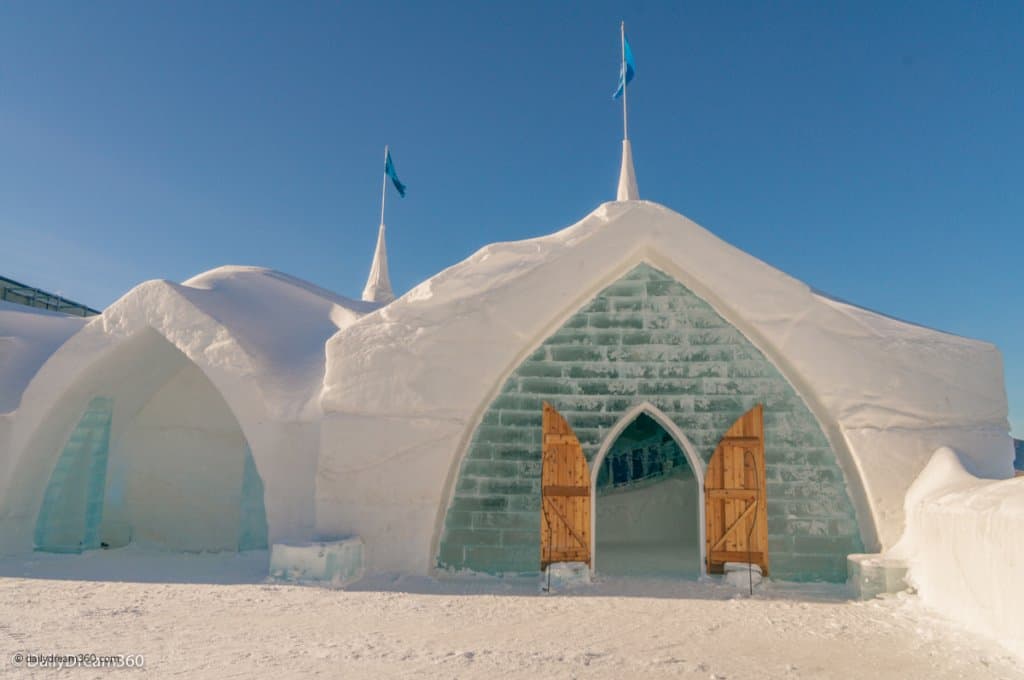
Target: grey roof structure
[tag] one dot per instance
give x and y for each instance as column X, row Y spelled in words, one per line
column 21, row 294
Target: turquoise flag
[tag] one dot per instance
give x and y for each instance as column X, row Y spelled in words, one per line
column 628, row 69
column 389, row 170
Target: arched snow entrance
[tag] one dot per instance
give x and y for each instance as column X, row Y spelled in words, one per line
column 648, row 510
column 154, row 457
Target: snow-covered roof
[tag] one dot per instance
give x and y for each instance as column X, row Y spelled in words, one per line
column 276, row 323
column 281, row 321
column 444, row 348
column 868, row 368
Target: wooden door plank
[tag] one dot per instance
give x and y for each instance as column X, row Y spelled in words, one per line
column 734, row 494
column 738, row 523
column 723, row 556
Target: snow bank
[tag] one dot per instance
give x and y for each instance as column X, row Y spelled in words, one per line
column 406, row 385
column 964, row 547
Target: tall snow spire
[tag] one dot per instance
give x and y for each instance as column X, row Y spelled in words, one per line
column 628, row 190
column 378, row 284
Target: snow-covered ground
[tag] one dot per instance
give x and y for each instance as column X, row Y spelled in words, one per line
column 196, row 616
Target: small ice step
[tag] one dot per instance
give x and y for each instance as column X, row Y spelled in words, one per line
column 565, row 576
column 872, row 574
column 336, row 562
column 742, row 575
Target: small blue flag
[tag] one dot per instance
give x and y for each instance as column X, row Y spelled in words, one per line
column 628, row 69
column 389, row 170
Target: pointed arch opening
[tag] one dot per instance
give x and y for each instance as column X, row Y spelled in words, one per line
column 154, row 456
column 647, row 513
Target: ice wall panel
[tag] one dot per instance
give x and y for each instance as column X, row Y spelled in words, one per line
column 253, row 533
column 72, row 507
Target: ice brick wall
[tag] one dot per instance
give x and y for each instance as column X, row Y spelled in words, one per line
column 644, row 338
column 72, row 508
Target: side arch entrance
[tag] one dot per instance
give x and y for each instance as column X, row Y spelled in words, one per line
column 154, row 457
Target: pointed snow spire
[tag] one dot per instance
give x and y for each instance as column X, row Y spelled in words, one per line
column 378, row 284
column 627, row 176
column 628, row 190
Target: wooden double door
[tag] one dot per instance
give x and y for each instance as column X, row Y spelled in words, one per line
column 735, row 509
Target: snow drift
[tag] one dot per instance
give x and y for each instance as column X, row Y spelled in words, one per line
column 964, row 549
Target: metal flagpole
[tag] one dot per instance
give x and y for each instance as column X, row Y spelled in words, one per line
column 384, row 185
column 625, row 128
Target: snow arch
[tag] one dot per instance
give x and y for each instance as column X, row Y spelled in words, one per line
column 154, row 455
column 128, row 353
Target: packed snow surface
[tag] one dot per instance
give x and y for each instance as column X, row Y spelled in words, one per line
column 210, row 616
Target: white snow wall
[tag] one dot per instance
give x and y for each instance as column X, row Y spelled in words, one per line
column 964, row 544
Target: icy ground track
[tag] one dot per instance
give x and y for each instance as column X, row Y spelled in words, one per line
column 215, row 616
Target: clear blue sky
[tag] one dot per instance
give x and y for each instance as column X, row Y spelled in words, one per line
column 873, row 150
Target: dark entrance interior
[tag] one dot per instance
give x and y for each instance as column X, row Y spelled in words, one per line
column 647, row 513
